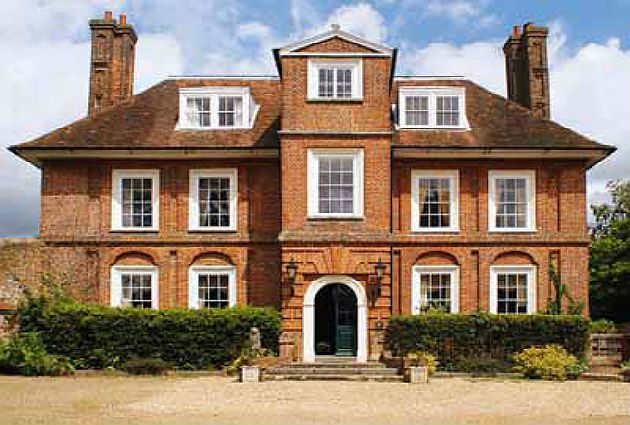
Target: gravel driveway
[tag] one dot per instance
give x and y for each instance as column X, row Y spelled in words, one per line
column 105, row 400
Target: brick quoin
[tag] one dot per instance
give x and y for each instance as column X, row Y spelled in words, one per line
column 273, row 225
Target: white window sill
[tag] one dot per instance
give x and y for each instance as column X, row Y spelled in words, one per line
column 459, row 128
column 335, row 99
column 512, row 231
column 435, row 230
column 212, row 229
column 178, row 127
column 136, row 229
column 336, row 217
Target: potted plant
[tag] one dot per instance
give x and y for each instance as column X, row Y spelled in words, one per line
column 418, row 366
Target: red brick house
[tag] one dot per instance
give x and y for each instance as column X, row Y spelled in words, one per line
column 337, row 191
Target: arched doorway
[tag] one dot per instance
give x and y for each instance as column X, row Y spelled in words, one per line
column 347, row 334
column 335, row 321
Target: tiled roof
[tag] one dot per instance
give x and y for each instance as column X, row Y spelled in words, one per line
column 149, row 120
column 495, row 122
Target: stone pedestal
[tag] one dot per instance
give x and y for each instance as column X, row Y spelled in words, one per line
column 417, row 374
column 249, row 374
column 287, row 347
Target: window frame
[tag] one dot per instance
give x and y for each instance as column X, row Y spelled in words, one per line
column 249, row 107
column 116, row 283
column 193, row 283
column 416, row 285
column 432, row 92
column 314, row 65
column 530, row 194
column 193, row 198
column 117, row 176
column 313, row 182
column 531, row 271
column 453, row 177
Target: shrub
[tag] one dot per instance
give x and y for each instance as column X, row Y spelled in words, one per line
column 550, row 362
column 24, row 354
column 147, row 366
column 478, row 342
column 603, row 326
column 484, row 365
column 99, row 337
column 248, row 357
column 422, row 358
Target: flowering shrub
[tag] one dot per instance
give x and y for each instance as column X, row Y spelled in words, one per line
column 551, row 362
column 422, row 358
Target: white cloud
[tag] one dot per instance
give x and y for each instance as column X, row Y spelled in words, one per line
column 476, row 12
column 482, row 62
column 361, row 19
column 45, row 78
column 460, row 10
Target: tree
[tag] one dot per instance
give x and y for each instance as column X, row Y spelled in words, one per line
column 610, row 256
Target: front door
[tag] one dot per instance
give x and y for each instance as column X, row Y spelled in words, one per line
column 345, row 321
column 336, row 321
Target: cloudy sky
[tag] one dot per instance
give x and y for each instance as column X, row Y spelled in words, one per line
column 44, row 71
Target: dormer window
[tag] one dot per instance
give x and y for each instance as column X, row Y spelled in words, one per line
column 335, row 80
column 432, row 107
column 212, row 108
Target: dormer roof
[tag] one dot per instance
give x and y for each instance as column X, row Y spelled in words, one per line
column 370, row 48
column 349, row 45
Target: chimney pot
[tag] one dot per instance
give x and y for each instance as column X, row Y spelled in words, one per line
column 109, row 16
column 123, row 19
column 517, row 31
column 335, row 27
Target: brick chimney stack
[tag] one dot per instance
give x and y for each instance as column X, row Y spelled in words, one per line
column 112, row 62
column 527, row 68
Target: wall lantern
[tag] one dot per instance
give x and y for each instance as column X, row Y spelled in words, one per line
column 380, row 272
column 292, row 268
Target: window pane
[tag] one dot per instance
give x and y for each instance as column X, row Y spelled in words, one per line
column 434, row 198
column 325, row 82
column 447, row 111
column 230, row 111
column 213, row 290
column 136, row 290
column 435, row 291
column 344, row 83
column 213, row 197
column 416, row 110
column 335, row 184
column 136, row 202
column 511, row 202
column 512, row 293
column 198, row 111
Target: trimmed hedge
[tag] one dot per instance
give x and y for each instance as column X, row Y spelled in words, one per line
column 98, row 337
column 484, row 342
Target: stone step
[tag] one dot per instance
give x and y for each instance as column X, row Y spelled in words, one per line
column 337, row 377
column 340, row 365
column 372, row 371
column 589, row 376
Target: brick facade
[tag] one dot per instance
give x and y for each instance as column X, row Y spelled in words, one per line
column 274, row 228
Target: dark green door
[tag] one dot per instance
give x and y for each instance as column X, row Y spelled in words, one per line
column 345, row 307
column 335, row 321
